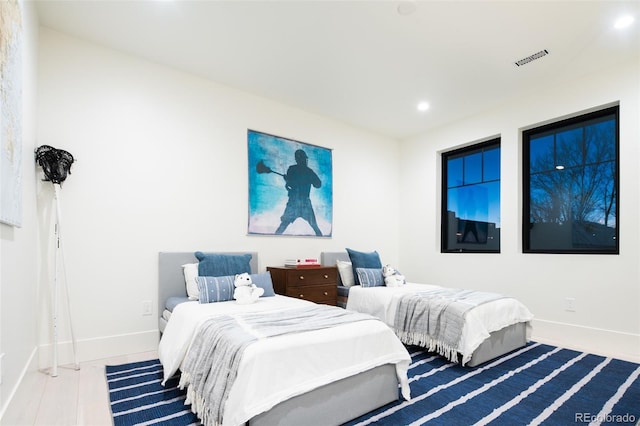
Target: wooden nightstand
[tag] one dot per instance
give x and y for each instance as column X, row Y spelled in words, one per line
column 317, row 284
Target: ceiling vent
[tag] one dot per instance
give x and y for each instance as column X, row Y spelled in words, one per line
column 533, row 57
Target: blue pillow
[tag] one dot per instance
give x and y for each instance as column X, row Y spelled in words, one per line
column 370, row 277
column 263, row 281
column 222, row 265
column 363, row 260
column 215, row 289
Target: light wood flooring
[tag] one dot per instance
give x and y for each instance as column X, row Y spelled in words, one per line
column 74, row 397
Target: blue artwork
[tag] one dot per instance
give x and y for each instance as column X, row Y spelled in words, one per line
column 290, row 187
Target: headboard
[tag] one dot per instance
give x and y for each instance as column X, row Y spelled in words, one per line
column 171, row 276
column 328, row 258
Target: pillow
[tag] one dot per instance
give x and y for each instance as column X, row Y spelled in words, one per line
column 263, row 281
column 370, row 277
column 190, row 273
column 346, row 273
column 363, row 260
column 215, row 289
column 222, row 265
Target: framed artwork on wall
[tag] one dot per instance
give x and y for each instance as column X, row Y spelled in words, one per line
column 11, row 112
column 290, row 187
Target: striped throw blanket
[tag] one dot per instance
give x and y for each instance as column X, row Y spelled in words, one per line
column 211, row 365
column 434, row 319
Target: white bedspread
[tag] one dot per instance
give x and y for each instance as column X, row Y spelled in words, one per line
column 276, row 369
column 382, row 302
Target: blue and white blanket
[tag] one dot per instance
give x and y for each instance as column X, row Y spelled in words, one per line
column 434, row 319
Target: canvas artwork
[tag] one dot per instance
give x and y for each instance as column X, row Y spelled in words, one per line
column 290, row 187
column 10, row 112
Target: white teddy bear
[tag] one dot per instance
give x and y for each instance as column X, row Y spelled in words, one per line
column 246, row 291
column 392, row 277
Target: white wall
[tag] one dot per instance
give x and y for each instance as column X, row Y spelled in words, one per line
column 606, row 288
column 162, row 166
column 18, row 246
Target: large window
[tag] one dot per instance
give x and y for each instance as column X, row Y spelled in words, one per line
column 471, row 199
column 570, row 185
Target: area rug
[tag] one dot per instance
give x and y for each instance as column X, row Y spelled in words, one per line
column 138, row 397
column 538, row 384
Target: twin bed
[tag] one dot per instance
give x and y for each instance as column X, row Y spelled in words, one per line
column 488, row 331
column 332, row 374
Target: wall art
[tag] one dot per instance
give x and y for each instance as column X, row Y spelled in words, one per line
column 290, row 187
column 10, row 112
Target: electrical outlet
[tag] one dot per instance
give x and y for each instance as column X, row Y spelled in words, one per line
column 570, row 304
column 146, row 307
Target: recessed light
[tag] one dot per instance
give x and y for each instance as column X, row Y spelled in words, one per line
column 423, row 106
column 623, row 22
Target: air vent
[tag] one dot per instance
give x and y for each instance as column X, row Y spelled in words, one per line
column 533, row 57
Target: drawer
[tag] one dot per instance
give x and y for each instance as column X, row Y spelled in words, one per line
column 305, row 277
column 315, row 293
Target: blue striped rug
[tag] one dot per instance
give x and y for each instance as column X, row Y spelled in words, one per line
column 138, row 397
column 539, row 384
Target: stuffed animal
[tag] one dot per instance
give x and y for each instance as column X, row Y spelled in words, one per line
column 246, row 291
column 392, row 277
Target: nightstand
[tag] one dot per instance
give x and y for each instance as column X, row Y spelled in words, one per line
column 318, row 284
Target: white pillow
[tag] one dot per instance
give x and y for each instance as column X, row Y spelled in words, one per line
column 346, row 273
column 190, row 274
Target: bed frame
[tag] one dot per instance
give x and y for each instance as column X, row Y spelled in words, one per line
column 498, row 343
column 334, row 403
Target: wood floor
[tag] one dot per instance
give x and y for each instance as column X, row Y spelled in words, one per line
column 74, row 397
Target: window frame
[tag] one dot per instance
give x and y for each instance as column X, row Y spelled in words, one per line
column 481, row 147
column 579, row 121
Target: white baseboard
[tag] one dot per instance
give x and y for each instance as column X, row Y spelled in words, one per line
column 21, row 395
column 7, row 413
column 100, row 347
column 598, row 341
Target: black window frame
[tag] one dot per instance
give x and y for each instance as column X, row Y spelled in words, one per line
column 580, row 121
column 480, row 147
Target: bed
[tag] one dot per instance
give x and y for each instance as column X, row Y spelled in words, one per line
column 331, row 374
column 488, row 331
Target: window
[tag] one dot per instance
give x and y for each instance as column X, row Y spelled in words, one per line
column 570, row 185
column 471, row 199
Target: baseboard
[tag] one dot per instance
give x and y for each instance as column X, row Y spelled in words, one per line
column 7, row 411
column 21, row 395
column 100, row 347
column 598, row 341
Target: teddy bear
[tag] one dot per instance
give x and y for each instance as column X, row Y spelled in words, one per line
column 392, row 277
column 246, row 291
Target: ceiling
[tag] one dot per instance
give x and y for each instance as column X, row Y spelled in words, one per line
column 364, row 62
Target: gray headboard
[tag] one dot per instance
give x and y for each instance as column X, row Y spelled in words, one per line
column 328, row 258
column 171, row 277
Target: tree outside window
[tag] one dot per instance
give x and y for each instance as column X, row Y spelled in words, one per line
column 471, row 199
column 571, row 185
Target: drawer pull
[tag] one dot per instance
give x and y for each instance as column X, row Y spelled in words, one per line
column 326, row 293
column 326, row 277
column 301, row 277
column 301, row 296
